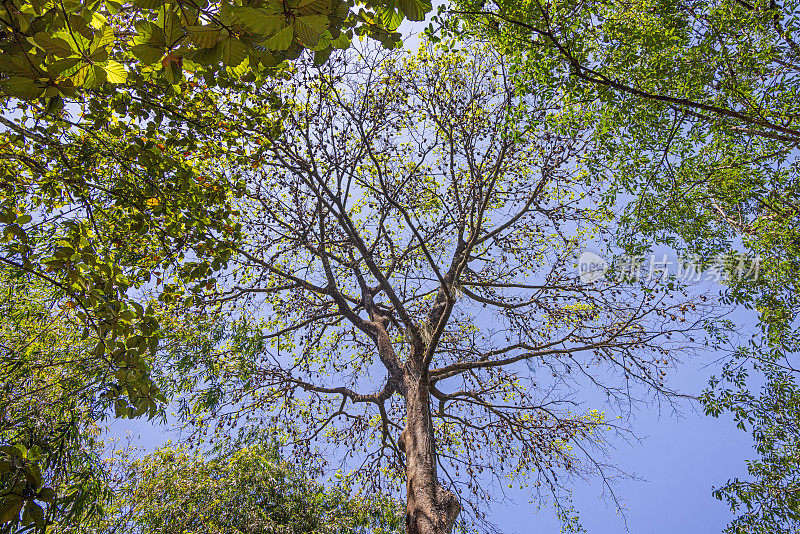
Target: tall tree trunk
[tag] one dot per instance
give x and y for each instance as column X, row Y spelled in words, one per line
column 430, row 508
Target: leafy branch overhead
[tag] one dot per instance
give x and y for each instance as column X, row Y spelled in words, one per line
column 51, row 48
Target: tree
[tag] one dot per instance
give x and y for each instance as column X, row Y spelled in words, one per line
column 98, row 119
column 767, row 501
column 84, row 227
column 242, row 489
column 408, row 277
column 94, row 231
column 87, row 158
column 696, row 116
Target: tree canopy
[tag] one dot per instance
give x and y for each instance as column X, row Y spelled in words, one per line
column 695, row 103
column 384, row 246
column 239, row 489
column 56, row 49
column 399, row 203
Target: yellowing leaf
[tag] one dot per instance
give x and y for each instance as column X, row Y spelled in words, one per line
column 115, row 72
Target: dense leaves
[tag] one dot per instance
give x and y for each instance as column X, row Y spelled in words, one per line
column 54, row 390
column 102, row 228
column 766, row 501
column 250, row 490
column 54, row 48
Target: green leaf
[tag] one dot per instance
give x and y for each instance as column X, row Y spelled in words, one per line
column 10, row 507
column 46, row 494
column 203, row 36
column 90, row 76
column 321, row 56
column 341, row 42
column 149, row 4
column 207, row 56
column 309, row 28
column 281, row 40
column 19, row 451
column 147, row 54
column 259, row 21
column 103, row 38
column 36, row 514
column 150, row 33
column 314, row 7
column 52, row 45
column 115, row 72
column 34, row 475
column 274, row 7
column 414, row 9
column 64, row 67
column 390, row 17
column 233, row 52
column 22, row 88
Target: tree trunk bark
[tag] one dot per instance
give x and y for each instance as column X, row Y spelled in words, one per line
column 430, row 508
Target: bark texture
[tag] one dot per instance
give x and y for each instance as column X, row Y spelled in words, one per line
column 430, row 507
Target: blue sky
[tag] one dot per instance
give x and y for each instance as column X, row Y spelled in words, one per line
column 680, row 460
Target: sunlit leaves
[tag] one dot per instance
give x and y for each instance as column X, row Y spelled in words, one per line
column 239, row 488
column 46, row 34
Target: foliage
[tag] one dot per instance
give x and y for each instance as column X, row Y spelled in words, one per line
column 248, row 489
column 101, row 205
column 52, row 386
column 97, row 245
column 729, row 63
column 91, row 215
column 766, row 502
column 52, row 49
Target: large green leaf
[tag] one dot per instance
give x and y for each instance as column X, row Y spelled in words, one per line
column 103, row 38
column 414, row 9
column 115, row 72
column 53, row 45
column 204, row 36
column 147, row 54
column 23, row 88
column 281, row 40
column 258, row 20
column 390, row 17
column 308, row 28
column 313, row 7
column 233, row 52
column 208, row 56
column 90, row 76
